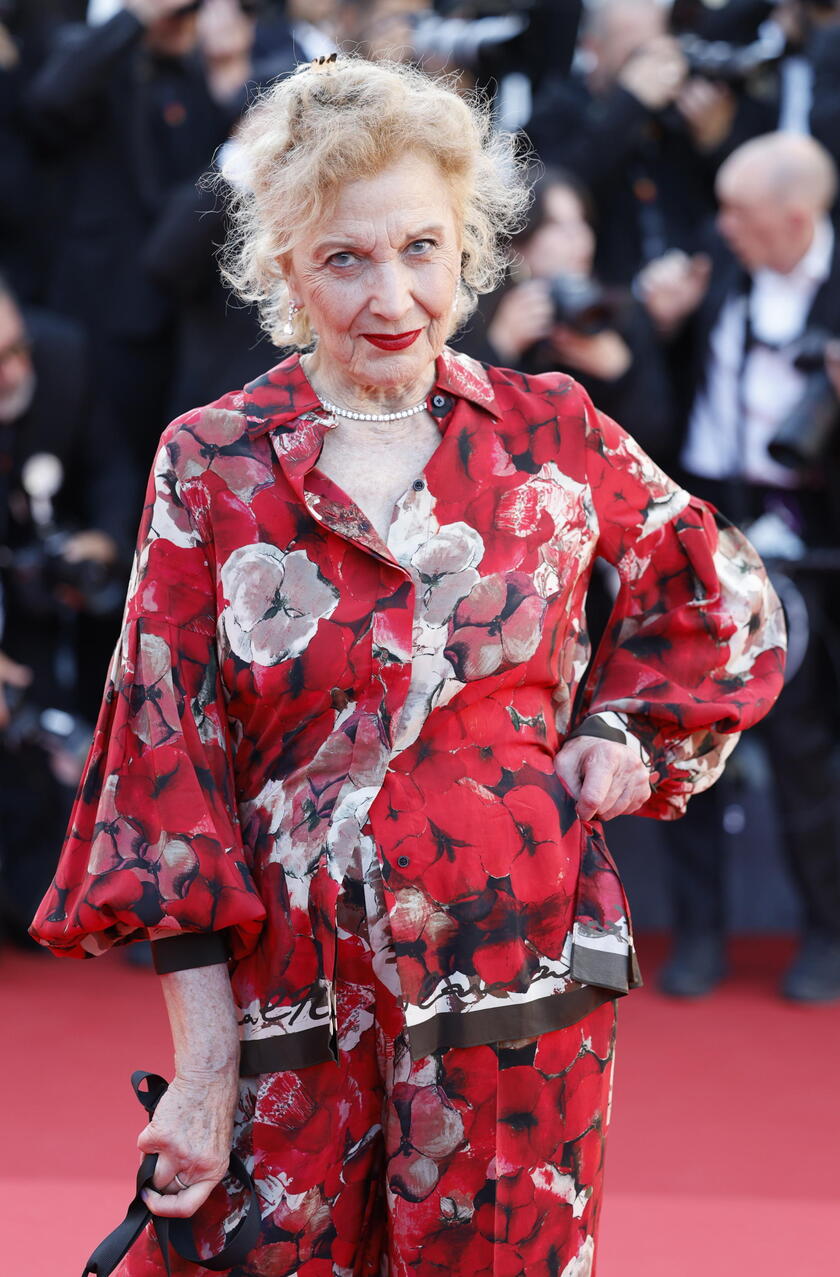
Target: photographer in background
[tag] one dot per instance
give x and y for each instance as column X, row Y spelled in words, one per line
column 553, row 314
column 129, row 111
column 67, row 509
column 784, row 58
column 761, row 442
column 217, row 345
column 637, row 130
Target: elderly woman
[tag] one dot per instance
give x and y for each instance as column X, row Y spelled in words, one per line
column 350, row 771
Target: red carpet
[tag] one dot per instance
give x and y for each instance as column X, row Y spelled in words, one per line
column 724, row 1158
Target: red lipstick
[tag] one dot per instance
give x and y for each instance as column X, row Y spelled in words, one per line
column 392, row 341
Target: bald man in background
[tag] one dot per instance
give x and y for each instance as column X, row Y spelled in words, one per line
column 772, row 276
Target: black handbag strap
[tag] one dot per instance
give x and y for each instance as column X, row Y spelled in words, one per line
column 149, row 1087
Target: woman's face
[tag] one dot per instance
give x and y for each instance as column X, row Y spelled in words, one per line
column 565, row 243
column 378, row 277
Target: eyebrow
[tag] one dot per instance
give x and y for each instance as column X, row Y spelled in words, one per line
column 333, row 243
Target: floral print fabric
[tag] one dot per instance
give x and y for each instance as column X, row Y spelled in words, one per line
column 289, row 684
column 476, row 1161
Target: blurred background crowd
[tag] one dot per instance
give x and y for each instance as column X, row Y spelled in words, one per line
column 681, row 260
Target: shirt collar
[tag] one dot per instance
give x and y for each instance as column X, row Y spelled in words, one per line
column 465, row 378
column 816, row 264
column 283, row 395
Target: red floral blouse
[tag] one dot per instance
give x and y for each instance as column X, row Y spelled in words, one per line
column 287, row 684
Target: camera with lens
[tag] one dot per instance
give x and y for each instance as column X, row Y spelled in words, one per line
column 732, row 63
column 809, row 431
column 42, row 579
column 44, row 582
column 581, row 304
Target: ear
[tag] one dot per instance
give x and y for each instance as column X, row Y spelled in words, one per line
column 800, row 219
column 289, row 278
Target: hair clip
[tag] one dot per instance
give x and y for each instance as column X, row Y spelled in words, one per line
column 325, row 60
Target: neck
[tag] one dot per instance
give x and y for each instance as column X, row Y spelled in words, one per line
column 329, row 383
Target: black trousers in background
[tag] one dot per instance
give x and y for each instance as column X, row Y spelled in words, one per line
column 802, row 738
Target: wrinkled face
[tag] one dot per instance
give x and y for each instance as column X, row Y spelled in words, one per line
column 762, row 231
column 17, row 375
column 378, row 275
column 564, row 244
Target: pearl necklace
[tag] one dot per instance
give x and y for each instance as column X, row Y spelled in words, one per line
column 373, row 416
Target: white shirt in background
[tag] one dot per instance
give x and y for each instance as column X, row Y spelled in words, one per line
column 720, row 445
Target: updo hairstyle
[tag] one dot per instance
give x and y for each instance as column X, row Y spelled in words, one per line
column 336, row 122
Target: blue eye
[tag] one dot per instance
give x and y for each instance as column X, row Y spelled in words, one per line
column 419, row 246
column 342, row 259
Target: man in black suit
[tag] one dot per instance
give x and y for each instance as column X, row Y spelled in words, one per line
column 773, row 275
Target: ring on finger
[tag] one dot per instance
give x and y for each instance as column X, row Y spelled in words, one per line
column 177, row 1179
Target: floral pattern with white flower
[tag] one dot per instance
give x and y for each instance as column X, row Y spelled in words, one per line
column 275, row 600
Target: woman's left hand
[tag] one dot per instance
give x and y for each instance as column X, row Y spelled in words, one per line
column 192, row 1133
column 606, row 778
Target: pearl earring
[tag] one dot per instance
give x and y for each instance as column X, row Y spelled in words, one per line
column 290, row 321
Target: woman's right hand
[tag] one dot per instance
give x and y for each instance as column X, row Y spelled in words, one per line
column 192, row 1133
column 523, row 316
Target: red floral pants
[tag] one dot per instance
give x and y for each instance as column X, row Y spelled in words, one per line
column 484, row 1160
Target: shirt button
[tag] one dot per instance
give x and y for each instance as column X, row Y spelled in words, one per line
column 403, row 862
column 438, row 401
column 418, row 485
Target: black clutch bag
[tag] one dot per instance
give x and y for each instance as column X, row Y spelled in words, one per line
column 176, row 1233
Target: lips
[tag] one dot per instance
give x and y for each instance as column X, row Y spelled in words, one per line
column 392, row 341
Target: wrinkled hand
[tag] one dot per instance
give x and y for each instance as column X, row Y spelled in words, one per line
column 708, row 109
column 13, row 675
column 673, row 286
column 606, row 778
column 522, row 317
column 191, row 1132
column 605, row 355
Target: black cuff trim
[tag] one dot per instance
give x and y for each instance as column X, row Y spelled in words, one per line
column 450, row 1029
column 286, row 1051
column 595, row 726
column 182, row 952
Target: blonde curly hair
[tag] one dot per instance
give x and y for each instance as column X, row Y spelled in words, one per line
column 336, row 121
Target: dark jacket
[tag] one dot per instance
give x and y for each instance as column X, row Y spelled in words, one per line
column 129, row 128
column 650, row 188
column 68, row 419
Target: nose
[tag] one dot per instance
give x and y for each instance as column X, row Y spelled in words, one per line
column 391, row 297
